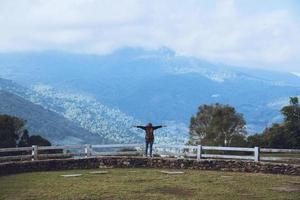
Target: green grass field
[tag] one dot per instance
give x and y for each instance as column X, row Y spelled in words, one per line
column 148, row 184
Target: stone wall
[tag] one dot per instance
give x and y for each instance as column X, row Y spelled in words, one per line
column 135, row 162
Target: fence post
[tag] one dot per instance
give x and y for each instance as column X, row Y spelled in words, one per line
column 199, row 149
column 34, row 152
column 256, row 154
column 88, row 150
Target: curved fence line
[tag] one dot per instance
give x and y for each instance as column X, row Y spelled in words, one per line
column 162, row 150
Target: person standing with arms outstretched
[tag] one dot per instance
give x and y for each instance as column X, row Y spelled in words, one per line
column 149, row 137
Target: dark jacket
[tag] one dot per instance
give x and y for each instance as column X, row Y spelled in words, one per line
column 149, row 137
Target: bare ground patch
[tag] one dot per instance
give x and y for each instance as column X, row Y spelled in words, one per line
column 142, row 180
column 294, row 182
column 177, row 191
column 287, row 188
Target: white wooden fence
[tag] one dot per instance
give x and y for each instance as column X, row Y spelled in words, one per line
column 178, row 151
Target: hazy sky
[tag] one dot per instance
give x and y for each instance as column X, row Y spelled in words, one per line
column 253, row 33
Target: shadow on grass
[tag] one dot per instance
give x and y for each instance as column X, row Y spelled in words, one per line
column 173, row 190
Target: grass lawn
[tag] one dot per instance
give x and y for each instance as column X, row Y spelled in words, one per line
column 148, row 184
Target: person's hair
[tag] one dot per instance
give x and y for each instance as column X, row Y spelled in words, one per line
column 149, row 124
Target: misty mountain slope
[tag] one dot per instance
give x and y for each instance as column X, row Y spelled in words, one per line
column 179, row 96
column 45, row 122
column 110, row 124
column 157, row 85
column 90, row 114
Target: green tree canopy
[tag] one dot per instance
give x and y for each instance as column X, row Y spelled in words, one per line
column 291, row 124
column 10, row 128
column 13, row 133
column 24, row 139
column 38, row 140
column 217, row 125
column 291, row 112
column 283, row 135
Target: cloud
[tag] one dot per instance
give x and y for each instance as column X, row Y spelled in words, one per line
column 222, row 31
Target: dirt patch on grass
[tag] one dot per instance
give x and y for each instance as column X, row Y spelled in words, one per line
column 139, row 180
column 143, row 180
column 288, row 188
column 226, row 178
column 177, row 191
column 294, row 182
column 250, row 196
column 292, row 186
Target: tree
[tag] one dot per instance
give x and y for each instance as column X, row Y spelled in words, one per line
column 291, row 112
column 275, row 136
column 38, row 140
column 10, row 129
column 256, row 140
column 283, row 135
column 13, row 134
column 291, row 123
column 217, row 125
column 24, row 139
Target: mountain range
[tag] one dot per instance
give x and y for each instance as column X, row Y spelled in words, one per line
column 41, row 121
column 69, row 118
column 106, row 94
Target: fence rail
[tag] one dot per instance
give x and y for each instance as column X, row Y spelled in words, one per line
column 265, row 150
column 227, row 156
column 60, row 147
column 18, row 149
column 227, row 148
column 197, row 152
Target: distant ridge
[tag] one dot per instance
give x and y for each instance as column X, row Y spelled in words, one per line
column 44, row 122
column 156, row 85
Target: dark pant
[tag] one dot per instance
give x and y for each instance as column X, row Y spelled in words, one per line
column 149, row 143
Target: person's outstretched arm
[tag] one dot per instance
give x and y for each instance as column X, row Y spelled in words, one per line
column 141, row 127
column 157, row 127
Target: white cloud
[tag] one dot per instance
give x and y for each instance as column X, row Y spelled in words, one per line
column 296, row 73
column 215, row 30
